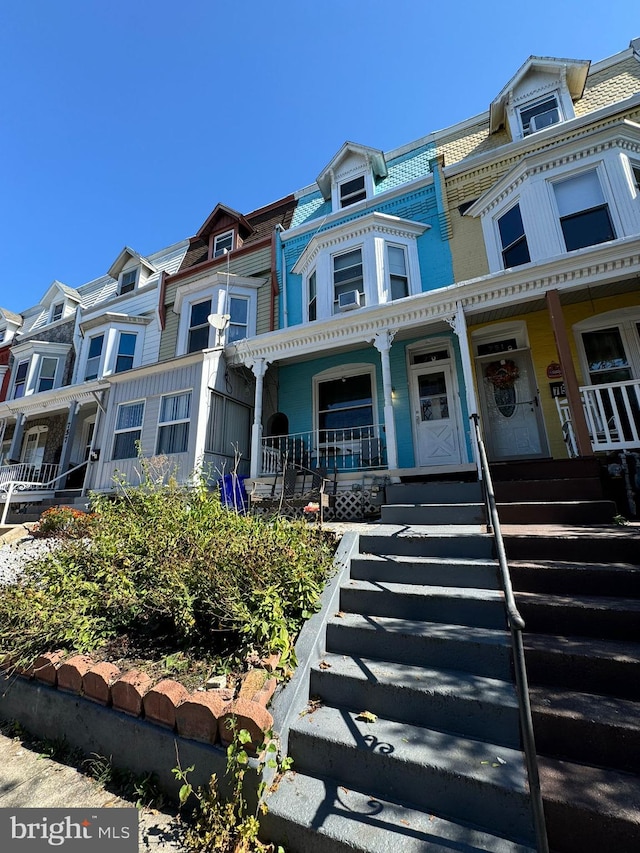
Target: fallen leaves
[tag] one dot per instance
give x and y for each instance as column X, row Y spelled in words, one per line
column 367, row 717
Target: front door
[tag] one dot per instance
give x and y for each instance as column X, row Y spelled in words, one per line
column 435, row 413
column 33, row 446
column 513, row 427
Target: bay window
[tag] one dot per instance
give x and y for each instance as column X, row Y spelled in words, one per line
column 584, row 213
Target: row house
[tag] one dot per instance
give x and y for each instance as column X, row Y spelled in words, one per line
column 63, row 352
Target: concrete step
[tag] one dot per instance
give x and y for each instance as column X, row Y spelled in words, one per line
column 427, row 570
column 590, row 808
column 551, row 576
column 586, row 727
column 611, row 668
column 471, row 780
column 424, row 544
column 518, row 491
column 581, row 615
column 557, row 512
column 433, row 513
column 482, row 608
column 481, row 651
column 459, row 702
column 545, row 469
column 434, row 492
column 307, row 815
column 590, row 544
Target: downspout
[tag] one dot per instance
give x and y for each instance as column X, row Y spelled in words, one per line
column 283, row 288
column 274, row 279
column 161, row 310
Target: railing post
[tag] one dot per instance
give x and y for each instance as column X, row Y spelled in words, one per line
column 5, row 511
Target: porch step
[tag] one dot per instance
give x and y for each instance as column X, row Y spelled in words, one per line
column 312, row 814
column 433, row 513
column 590, row 808
column 452, row 571
column 459, row 702
column 414, row 543
column 481, row 783
column 581, row 615
column 481, row 651
column 552, row 576
column 587, row 727
column 557, row 512
column 587, row 544
column 546, row 469
column 518, row 491
column 482, row 608
column 433, row 492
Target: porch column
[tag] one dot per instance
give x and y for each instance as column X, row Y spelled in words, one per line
column 458, row 323
column 16, row 441
column 67, row 441
column 572, row 390
column 382, row 342
column 259, row 368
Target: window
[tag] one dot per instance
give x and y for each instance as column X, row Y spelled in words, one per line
column 345, row 408
column 539, row 115
column 128, row 430
column 199, row 326
column 3, row 332
column 239, row 318
column 584, row 213
column 352, row 191
column 126, row 351
column 312, row 303
column 229, row 428
column 606, row 357
column 222, row 243
column 93, row 360
column 56, row 311
column 513, row 240
column 128, row 281
column 173, row 426
column 48, row 367
column 635, row 171
column 347, row 276
column 398, row 279
column 20, row 382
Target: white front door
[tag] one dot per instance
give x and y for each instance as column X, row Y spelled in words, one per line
column 512, row 418
column 33, row 446
column 435, row 414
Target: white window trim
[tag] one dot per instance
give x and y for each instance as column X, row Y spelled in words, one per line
column 496, row 231
column 215, row 289
column 116, row 431
column 32, row 352
column 187, row 420
column 136, row 282
column 111, row 331
column 307, row 296
column 219, row 237
column 625, row 320
column 363, row 170
column 345, row 370
column 14, row 378
column 39, row 376
column 389, row 244
column 54, row 305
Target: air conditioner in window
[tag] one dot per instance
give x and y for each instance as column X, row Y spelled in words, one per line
column 545, row 119
column 349, row 300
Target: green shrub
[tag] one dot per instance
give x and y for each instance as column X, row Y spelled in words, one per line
column 174, row 569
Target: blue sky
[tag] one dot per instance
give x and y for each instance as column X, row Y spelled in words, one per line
column 126, row 122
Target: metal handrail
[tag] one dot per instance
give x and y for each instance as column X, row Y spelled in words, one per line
column 516, row 626
column 11, row 486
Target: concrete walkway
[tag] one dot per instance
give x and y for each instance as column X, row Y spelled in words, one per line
column 30, row 780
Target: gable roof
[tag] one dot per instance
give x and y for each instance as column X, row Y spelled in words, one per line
column 374, row 156
column 576, row 71
column 10, row 317
column 63, row 289
column 221, row 211
column 123, row 259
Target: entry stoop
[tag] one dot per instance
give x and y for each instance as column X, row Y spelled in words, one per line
column 417, row 640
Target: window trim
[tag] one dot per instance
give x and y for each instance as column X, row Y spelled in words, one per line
column 198, row 328
column 312, row 301
column 347, row 200
column 161, row 424
column 52, row 311
column 41, row 360
column 388, row 276
column 118, row 355
column 502, row 249
column 99, row 357
column 14, row 387
column 539, row 101
column 135, row 271
column 345, row 371
column 117, row 431
column 360, row 278
column 626, row 320
column 595, row 168
column 224, row 235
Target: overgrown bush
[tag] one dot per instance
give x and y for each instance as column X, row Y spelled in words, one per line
column 64, row 522
column 174, row 569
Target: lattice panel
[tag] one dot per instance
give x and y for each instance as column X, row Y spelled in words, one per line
column 349, row 506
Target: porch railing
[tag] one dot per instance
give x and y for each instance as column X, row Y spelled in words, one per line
column 36, row 475
column 343, row 450
column 516, row 627
column 9, row 487
column 612, row 412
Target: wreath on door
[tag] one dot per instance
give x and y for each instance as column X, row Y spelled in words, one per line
column 502, row 374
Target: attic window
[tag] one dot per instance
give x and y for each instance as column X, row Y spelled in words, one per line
column 352, row 191
column 128, row 281
column 539, row 115
column 56, row 311
column 3, row 332
column 222, row 243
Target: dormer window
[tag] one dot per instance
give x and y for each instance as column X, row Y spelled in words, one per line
column 56, row 311
column 352, row 191
column 543, row 113
column 3, row 332
column 222, row 243
column 128, row 281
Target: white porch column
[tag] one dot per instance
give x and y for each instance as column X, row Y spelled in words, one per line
column 16, row 441
column 259, row 368
column 459, row 325
column 382, row 342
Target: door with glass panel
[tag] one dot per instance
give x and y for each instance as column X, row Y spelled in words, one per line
column 435, row 412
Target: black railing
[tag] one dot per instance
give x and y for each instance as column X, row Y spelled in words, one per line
column 516, row 626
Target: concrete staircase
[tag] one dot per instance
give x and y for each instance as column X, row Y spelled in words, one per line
column 34, row 506
column 420, row 644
